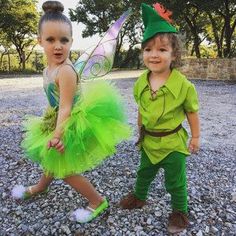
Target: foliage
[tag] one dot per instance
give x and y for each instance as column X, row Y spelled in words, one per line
column 35, row 63
column 74, row 55
column 202, row 22
column 130, row 58
column 19, row 23
column 212, row 21
column 208, row 29
column 222, row 16
column 38, row 62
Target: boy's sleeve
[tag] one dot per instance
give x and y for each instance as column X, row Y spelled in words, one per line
column 191, row 101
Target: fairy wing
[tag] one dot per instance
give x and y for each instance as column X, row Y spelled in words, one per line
column 98, row 60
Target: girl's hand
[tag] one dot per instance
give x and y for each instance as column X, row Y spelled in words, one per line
column 56, row 143
column 194, row 145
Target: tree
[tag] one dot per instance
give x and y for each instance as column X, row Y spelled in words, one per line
column 222, row 15
column 19, row 23
column 211, row 22
column 5, row 45
column 97, row 16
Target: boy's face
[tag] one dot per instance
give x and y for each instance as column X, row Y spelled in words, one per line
column 158, row 55
column 55, row 38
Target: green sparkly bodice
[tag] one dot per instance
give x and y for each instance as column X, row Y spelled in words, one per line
column 52, row 90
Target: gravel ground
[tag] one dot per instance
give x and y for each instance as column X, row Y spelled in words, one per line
column 211, row 173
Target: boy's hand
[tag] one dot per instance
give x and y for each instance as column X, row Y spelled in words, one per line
column 194, row 145
column 56, row 143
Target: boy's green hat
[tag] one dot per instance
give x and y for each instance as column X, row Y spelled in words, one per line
column 154, row 23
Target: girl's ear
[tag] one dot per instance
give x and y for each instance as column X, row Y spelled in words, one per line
column 39, row 40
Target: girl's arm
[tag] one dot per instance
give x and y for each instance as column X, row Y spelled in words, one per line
column 194, row 123
column 67, row 87
column 66, row 81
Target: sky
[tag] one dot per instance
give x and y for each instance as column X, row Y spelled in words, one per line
column 79, row 43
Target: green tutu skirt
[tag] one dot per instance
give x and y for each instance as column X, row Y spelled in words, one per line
column 96, row 125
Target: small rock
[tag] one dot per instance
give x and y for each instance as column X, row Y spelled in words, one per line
column 138, row 228
column 233, row 196
column 149, row 221
column 57, row 224
column 228, row 224
column 214, row 229
column 199, row 233
column 70, row 194
column 65, row 229
column 158, row 213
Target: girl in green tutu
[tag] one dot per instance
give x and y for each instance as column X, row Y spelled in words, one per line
column 80, row 128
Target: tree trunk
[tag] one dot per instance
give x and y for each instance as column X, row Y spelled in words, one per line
column 126, row 60
column 138, row 63
column 215, row 33
column 23, row 60
column 9, row 61
column 229, row 17
column 196, row 40
column 227, row 49
column 1, row 60
column 196, row 47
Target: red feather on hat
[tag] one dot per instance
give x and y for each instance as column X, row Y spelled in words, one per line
column 164, row 13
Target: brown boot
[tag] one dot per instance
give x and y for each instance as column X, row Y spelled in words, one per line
column 178, row 222
column 131, row 202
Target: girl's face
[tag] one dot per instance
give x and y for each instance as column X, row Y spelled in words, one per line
column 158, row 55
column 55, row 38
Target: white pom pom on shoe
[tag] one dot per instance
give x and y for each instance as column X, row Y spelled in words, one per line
column 81, row 215
column 18, row 191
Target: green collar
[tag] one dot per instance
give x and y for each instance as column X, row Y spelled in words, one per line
column 173, row 84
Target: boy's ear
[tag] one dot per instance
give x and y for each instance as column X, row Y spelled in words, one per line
column 173, row 56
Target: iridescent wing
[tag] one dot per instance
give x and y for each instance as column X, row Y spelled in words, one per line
column 97, row 61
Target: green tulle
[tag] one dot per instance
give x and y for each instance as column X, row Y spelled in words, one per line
column 48, row 123
column 97, row 123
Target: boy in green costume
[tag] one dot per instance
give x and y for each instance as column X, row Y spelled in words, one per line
column 165, row 98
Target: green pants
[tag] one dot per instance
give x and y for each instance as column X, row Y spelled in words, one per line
column 174, row 166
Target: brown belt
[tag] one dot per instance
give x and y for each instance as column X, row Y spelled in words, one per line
column 161, row 134
column 144, row 132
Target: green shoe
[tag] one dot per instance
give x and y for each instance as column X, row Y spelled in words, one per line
column 88, row 214
column 21, row 192
column 29, row 193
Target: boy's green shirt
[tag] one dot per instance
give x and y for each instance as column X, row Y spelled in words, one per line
column 176, row 97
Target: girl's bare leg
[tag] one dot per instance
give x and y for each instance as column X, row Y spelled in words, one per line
column 86, row 189
column 43, row 183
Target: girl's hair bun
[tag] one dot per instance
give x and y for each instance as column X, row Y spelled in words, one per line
column 52, row 6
